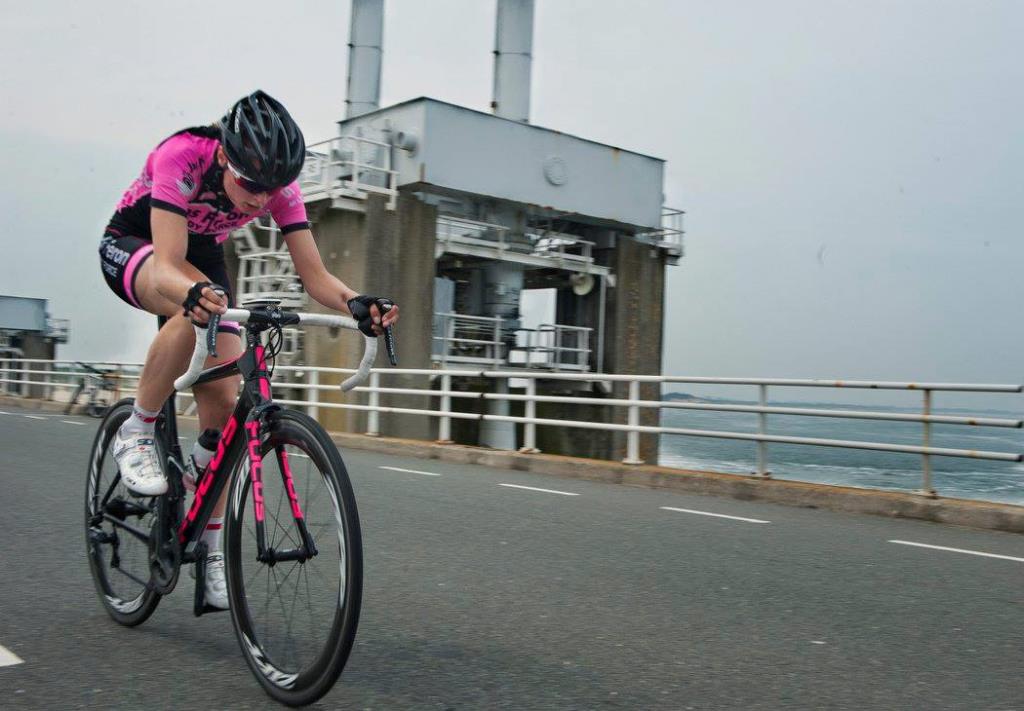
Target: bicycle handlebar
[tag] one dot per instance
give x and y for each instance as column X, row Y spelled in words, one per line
column 202, row 348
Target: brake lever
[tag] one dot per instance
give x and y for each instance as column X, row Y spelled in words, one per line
column 211, row 334
column 211, row 328
column 389, row 334
column 389, row 345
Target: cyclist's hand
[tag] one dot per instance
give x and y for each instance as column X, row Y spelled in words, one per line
column 204, row 299
column 373, row 313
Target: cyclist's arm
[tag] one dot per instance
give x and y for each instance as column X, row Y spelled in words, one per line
column 171, row 274
column 324, row 287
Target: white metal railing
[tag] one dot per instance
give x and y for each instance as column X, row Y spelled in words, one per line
column 271, row 275
column 349, row 166
column 461, row 338
column 553, row 345
column 670, row 236
column 554, row 250
column 42, row 372
column 486, row 340
column 58, row 329
column 562, row 248
column 459, row 230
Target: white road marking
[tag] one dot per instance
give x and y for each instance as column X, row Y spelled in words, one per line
column 716, row 515
column 34, row 417
column 72, row 422
column 958, row 550
column 9, row 658
column 534, row 488
column 411, row 471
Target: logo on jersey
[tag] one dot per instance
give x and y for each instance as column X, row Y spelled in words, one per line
column 186, row 185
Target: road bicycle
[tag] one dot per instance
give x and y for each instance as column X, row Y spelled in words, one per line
column 98, row 389
column 292, row 542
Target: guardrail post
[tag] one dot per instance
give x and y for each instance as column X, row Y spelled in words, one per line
column 926, row 459
column 529, row 428
column 444, row 428
column 449, row 339
column 24, row 378
column 48, row 381
column 633, row 436
column 373, row 415
column 762, row 429
column 313, row 394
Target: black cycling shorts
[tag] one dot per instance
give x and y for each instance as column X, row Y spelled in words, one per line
column 121, row 257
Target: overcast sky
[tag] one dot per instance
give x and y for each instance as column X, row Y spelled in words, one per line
column 852, row 172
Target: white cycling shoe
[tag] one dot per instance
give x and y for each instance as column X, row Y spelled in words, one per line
column 216, row 593
column 136, row 457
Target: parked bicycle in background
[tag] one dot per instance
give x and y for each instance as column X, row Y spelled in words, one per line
column 97, row 388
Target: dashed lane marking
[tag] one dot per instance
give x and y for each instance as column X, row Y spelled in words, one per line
column 534, row 488
column 959, row 550
column 9, row 658
column 72, row 422
column 34, row 417
column 410, row 471
column 716, row 515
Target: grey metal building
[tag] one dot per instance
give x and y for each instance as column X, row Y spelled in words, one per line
column 457, row 214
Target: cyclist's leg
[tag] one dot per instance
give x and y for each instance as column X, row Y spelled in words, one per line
column 215, row 401
column 170, row 350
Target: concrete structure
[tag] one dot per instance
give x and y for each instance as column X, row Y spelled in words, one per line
column 456, row 213
column 27, row 331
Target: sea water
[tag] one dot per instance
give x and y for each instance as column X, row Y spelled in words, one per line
column 951, row 476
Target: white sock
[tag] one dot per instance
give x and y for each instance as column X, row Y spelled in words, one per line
column 140, row 421
column 211, row 535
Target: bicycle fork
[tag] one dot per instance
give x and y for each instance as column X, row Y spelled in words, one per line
column 265, row 554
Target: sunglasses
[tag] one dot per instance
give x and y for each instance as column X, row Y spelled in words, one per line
column 250, row 186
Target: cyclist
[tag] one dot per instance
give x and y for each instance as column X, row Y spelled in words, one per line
column 162, row 252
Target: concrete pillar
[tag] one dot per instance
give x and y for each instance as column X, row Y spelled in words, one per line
column 34, row 345
column 634, row 327
column 385, row 253
column 634, row 321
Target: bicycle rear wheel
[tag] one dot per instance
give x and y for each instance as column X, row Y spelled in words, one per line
column 295, row 620
column 117, row 525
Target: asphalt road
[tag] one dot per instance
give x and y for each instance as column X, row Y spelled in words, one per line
column 482, row 595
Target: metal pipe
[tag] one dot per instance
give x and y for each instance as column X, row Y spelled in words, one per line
column 529, row 428
column 926, row 462
column 314, row 397
column 762, row 428
column 633, row 438
column 444, row 430
column 365, row 49
column 373, row 419
column 513, row 47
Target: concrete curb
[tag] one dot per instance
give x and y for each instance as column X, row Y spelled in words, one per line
column 960, row 512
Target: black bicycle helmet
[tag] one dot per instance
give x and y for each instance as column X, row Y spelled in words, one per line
column 262, row 141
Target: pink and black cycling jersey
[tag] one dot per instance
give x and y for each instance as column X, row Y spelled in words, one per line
column 182, row 175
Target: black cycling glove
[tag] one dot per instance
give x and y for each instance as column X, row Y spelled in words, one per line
column 359, row 307
column 196, row 292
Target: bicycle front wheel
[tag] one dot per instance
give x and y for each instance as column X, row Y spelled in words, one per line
column 295, row 619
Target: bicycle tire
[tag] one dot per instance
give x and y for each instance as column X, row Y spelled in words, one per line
column 278, row 667
column 136, row 609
